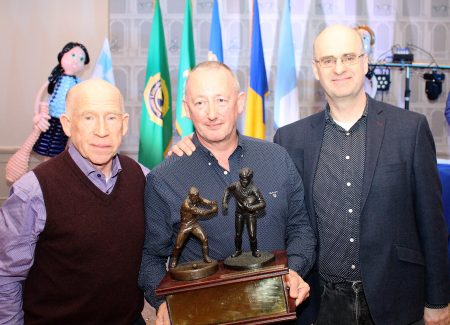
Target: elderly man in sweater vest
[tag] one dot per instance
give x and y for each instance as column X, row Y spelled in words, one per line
column 72, row 230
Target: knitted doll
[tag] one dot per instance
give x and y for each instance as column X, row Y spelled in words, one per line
column 47, row 138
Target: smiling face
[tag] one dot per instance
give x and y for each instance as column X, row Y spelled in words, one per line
column 73, row 61
column 95, row 121
column 213, row 103
column 340, row 82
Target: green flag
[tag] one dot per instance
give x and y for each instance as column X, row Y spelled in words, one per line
column 187, row 62
column 156, row 116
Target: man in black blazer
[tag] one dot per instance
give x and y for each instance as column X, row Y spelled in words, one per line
column 373, row 195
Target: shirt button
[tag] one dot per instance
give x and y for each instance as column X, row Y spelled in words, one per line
column 242, row 156
column 347, row 157
column 225, row 172
column 347, row 133
column 209, row 164
column 353, row 267
column 99, row 175
column 350, row 210
column 352, row 240
column 348, row 183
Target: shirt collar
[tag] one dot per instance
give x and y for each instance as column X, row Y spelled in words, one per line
column 197, row 143
column 87, row 168
column 329, row 118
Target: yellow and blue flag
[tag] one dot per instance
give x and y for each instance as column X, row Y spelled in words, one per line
column 156, row 116
column 286, row 93
column 215, row 37
column 255, row 117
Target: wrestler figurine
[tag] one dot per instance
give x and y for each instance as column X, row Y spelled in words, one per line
column 249, row 202
column 190, row 213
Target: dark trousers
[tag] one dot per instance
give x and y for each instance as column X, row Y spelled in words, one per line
column 343, row 304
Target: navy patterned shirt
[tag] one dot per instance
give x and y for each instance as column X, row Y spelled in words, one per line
column 284, row 224
column 337, row 194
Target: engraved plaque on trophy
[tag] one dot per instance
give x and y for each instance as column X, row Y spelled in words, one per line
column 254, row 296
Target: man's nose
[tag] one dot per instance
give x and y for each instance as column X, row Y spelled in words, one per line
column 339, row 67
column 101, row 128
column 212, row 112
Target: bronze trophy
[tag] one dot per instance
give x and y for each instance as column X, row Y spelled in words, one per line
column 190, row 212
column 249, row 202
column 248, row 287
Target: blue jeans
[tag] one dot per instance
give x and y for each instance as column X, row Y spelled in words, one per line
column 343, row 304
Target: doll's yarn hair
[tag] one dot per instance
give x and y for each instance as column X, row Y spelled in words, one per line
column 58, row 70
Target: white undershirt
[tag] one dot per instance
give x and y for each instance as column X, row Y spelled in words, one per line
column 345, row 125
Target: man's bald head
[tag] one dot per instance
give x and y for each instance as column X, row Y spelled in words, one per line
column 93, row 92
column 335, row 34
column 211, row 66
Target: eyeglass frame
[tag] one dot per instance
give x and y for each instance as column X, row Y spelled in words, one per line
column 340, row 58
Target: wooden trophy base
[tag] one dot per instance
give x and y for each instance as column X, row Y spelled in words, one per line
column 254, row 296
column 246, row 261
column 193, row 270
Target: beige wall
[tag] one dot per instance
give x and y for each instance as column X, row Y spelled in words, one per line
column 31, row 35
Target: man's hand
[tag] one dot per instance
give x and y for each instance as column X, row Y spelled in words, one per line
column 184, row 146
column 162, row 316
column 439, row 316
column 298, row 288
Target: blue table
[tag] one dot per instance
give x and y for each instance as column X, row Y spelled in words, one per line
column 444, row 174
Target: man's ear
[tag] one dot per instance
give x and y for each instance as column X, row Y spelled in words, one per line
column 316, row 73
column 65, row 122
column 241, row 102
column 125, row 120
column 186, row 109
column 366, row 63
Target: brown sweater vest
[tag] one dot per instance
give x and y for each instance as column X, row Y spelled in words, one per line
column 88, row 256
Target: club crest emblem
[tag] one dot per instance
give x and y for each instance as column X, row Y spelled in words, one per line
column 156, row 97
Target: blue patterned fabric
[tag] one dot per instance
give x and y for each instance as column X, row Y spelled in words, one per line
column 53, row 141
column 57, row 101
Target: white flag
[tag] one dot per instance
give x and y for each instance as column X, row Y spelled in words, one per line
column 103, row 67
column 286, row 106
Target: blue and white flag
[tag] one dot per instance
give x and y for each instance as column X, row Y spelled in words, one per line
column 286, row 109
column 103, row 67
column 215, row 38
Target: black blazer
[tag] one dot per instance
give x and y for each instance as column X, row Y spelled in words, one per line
column 403, row 250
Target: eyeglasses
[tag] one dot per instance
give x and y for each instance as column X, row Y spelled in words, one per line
column 346, row 59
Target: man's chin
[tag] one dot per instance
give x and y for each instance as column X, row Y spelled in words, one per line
column 99, row 163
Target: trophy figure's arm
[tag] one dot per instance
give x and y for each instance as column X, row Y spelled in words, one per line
column 200, row 212
column 226, row 198
column 260, row 203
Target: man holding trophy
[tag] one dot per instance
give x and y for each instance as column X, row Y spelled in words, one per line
column 213, row 102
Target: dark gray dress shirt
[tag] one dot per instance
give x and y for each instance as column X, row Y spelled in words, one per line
column 337, row 194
